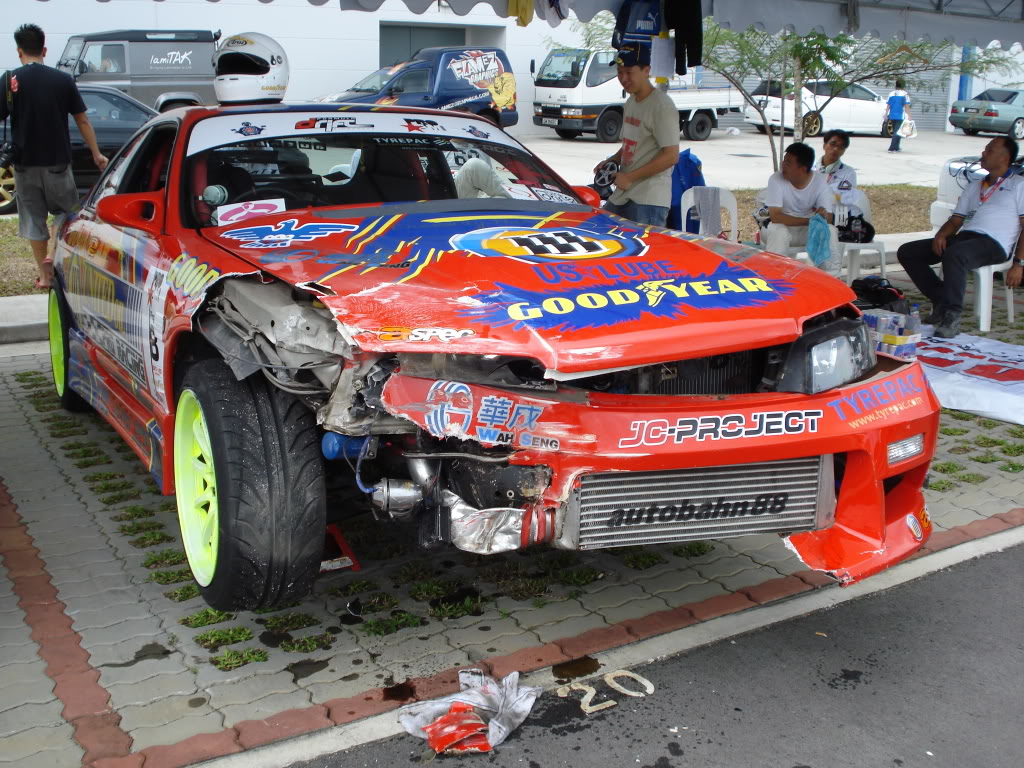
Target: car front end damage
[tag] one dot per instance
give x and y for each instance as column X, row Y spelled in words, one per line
column 495, row 416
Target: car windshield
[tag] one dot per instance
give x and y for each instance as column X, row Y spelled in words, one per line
column 763, row 89
column 562, row 69
column 329, row 161
column 996, row 94
column 376, row 81
column 71, row 53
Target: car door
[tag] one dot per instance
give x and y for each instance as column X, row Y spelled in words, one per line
column 835, row 112
column 114, row 119
column 412, row 88
column 109, row 278
column 866, row 109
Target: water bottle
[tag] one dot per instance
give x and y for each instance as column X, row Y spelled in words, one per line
column 914, row 322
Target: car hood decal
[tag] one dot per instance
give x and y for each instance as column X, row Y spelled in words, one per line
column 577, row 290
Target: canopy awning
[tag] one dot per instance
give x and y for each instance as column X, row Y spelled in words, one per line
column 975, row 22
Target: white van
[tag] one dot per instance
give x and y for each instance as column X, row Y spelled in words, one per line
column 576, row 92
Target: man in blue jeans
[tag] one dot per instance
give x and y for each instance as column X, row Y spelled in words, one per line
column 984, row 229
column 897, row 109
column 650, row 143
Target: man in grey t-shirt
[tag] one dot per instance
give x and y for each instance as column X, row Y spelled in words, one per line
column 650, row 143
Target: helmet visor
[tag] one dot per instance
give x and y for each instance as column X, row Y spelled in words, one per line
column 238, row 63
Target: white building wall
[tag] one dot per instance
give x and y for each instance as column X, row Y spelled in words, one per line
column 328, row 50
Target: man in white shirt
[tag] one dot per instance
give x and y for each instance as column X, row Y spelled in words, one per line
column 793, row 196
column 840, row 177
column 984, row 229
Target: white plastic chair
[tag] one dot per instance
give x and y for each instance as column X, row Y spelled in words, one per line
column 983, row 279
column 726, row 199
column 853, row 251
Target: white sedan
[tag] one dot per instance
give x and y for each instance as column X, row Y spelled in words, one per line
column 855, row 109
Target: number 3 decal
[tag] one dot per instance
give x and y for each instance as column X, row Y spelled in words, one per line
column 612, row 679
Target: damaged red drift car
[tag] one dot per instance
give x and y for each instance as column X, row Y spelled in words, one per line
column 264, row 301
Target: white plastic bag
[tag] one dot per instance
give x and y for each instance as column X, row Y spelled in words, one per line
column 908, row 130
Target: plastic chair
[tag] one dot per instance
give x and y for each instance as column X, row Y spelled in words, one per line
column 726, row 199
column 855, row 250
column 983, row 277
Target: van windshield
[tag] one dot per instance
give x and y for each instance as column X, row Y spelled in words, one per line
column 71, row 53
column 562, row 69
column 377, row 81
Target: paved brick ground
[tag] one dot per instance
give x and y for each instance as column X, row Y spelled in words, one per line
column 96, row 668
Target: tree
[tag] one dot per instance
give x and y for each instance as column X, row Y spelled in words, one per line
column 841, row 60
column 594, row 35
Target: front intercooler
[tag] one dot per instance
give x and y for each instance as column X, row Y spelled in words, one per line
column 618, row 509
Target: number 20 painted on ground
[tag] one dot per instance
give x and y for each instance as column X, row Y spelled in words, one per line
column 612, row 680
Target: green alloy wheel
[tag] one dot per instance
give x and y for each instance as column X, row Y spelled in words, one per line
column 249, row 478
column 58, row 317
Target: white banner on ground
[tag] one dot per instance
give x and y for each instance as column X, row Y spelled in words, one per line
column 977, row 375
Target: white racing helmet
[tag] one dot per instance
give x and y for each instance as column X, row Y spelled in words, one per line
column 250, row 68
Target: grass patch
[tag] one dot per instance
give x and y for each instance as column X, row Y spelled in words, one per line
column 94, row 461
column 134, row 512
column 417, row 570
column 948, row 467
column 151, row 539
column 693, row 549
column 68, row 431
column 205, row 618
column 942, row 484
column 1013, row 449
column 972, row 477
column 84, row 453
column 169, row 505
column 958, row 415
column 74, row 445
column 431, row 589
column 953, row 431
column 986, row 458
column 23, row 376
column 988, row 423
column 164, row 558
column 109, row 486
column 1016, row 432
column 1011, row 466
column 215, row 638
column 116, row 498
column 98, row 477
column 959, row 450
column 985, row 441
column 171, row 577
column 579, row 577
column 390, row 625
column 524, row 588
column 289, row 622
column 502, row 571
column 378, row 601
column 308, row 644
column 139, row 526
column 457, row 609
column 638, row 558
column 181, row 594
column 353, row 588
column 232, row 659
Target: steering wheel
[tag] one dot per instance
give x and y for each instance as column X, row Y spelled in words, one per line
column 604, row 179
column 263, row 193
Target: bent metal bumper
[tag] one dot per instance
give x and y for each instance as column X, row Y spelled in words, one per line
column 816, row 467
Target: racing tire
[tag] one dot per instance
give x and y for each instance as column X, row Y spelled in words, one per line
column 175, row 105
column 762, row 130
column 59, row 321
column 698, row 127
column 812, row 124
column 8, row 197
column 562, row 133
column 887, row 129
column 1016, row 131
column 249, row 480
column 609, row 126
column 971, row 131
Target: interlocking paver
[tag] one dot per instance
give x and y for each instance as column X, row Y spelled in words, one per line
column 120, row 632
column 481, row 632
column 137, row 672
column 41, row 746
column 249, row 689
column 746, row 578
column 501, row 646
column 101, row 585
column 156, row 688
column 569, row 627
column 725, row 566
column 671, row 582
column 82, row 562
column 265, row 707
column 552, row 612
column 29, row 716
column 693, row 593
column 20, row 654
column 955, row 517
column 15, row 636
column 428, row 665
column 634, row 609
column 34, row 689
column 164, row 711
column 344, row 686
column 612, row 596
column 97, row 618
column 176, row 730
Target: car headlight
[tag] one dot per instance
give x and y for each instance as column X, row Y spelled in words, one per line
column 828, row 357
column 572, row 111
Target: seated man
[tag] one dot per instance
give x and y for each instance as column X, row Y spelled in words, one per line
column 841, row 178
column 984, row 229
column 792, row 197
column 478, row 179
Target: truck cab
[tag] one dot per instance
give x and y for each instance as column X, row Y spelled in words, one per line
column 162, row 68
column 477, row 80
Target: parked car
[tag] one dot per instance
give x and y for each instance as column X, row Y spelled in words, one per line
column 476, row 80
column 163, row 68
column 260, row 298
column 996, row 110
column 856, row 108
column 115, row 118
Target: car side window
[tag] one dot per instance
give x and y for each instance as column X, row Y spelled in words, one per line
column 417, row 81
column 147, row 170
column 100, row 107
column 601, row 69
column 861, row 93
column 111, row 178
column 103, row 57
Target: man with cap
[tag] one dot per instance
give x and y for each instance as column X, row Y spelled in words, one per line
column 650, row 143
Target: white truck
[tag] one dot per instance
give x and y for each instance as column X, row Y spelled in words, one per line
column 577, row 91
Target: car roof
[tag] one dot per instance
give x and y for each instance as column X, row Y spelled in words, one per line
column 94, row 88
column 152, row 36
column 330, row 108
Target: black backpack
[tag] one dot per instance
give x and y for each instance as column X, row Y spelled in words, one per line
column 874, row 292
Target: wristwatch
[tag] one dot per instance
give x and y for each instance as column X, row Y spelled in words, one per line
column 1018, row 262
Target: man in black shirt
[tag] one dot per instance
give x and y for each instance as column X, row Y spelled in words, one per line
column 39, row 98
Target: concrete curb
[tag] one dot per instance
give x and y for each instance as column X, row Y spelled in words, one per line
column 23, row 318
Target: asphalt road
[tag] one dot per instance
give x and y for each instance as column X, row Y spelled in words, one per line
column 926, row 674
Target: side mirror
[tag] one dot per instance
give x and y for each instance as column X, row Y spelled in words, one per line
column 588, row 195
column 81, row 68
column 395, row 89
column 138, row 210
column 533, row 66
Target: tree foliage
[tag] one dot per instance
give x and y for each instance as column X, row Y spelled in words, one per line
column 594, row 35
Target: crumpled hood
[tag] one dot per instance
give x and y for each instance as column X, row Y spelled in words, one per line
column 577, row 290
